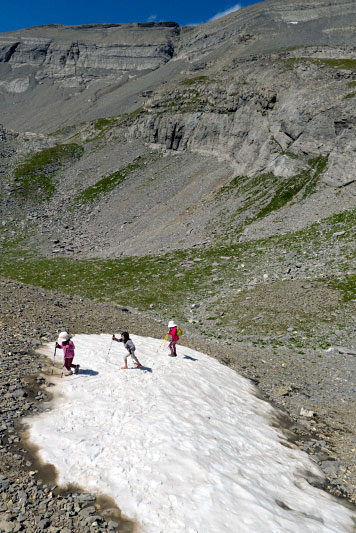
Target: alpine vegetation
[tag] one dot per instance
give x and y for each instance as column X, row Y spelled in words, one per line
column 190, row 193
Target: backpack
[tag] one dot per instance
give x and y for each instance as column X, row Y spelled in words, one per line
column 179, row 332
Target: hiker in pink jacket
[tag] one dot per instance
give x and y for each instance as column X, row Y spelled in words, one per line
column 65, row 344
column 173, row 333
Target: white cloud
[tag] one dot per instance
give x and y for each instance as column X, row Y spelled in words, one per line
column 152, row 18
column 236, row 7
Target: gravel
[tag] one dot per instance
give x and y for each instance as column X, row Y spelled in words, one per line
column 30, row 499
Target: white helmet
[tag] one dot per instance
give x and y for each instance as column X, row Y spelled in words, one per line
column 62, row 337
column 171, row 324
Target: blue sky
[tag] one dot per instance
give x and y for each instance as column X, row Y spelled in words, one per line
column 24, row 13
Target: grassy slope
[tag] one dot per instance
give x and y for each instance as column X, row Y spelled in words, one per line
column 35, row 177
column 219, row 276
column 167, row 284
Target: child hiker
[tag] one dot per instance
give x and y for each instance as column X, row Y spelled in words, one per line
column 67, row 346
column 130, row 347
column 173, row 332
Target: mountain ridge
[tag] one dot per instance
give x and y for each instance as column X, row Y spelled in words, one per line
column 283, row 120
column 78, row 61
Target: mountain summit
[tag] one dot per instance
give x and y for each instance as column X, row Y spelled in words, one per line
column 72, row 73
column 237, row 129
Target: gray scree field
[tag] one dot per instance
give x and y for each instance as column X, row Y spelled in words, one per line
column 205, row 174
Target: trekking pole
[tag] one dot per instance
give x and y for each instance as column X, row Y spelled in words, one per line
column 54, row 358
column 164, row 340
column 107, row 355
column 163, row 343
column 64, row 362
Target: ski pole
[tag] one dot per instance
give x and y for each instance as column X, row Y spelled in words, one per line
column 164, row 340
column 107, row 355
column 163, row 343
column 64, row 362
column 54, row 358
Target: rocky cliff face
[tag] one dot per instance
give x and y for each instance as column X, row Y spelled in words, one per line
column 66, row 70
column 230, row 130
column 59, row 52
column 269, row 113
column 273, row 25
column 100, row 70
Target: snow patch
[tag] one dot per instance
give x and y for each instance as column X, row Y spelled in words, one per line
column 183, row 445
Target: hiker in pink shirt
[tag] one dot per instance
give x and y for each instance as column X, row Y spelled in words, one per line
column 65, row 344
column 173, row 333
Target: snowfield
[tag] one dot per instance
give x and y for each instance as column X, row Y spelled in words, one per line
column 183, row 445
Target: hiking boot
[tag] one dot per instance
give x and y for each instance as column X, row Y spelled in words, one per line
column 76, row 371
column 123, row 367
column 68, row 373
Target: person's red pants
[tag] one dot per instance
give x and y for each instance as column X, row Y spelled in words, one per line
column 172, row 347
column 68, row 363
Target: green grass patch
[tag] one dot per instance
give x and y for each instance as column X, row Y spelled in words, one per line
column 346, row 285
column 350, row 95
column 291, row 155
column 142, row 281
column 341, row 63
column 107, row 184
column 164, row 281
column 15, row 240
column 284, row 194
column 13, row 247
column 34, row 179
column 133, row 114
column 351, row 84
column 103, row 123
column 289, row 188
column 132, row 281
column 65, row 131
column 316, row 167
column 262, row 194
column 191, row 81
